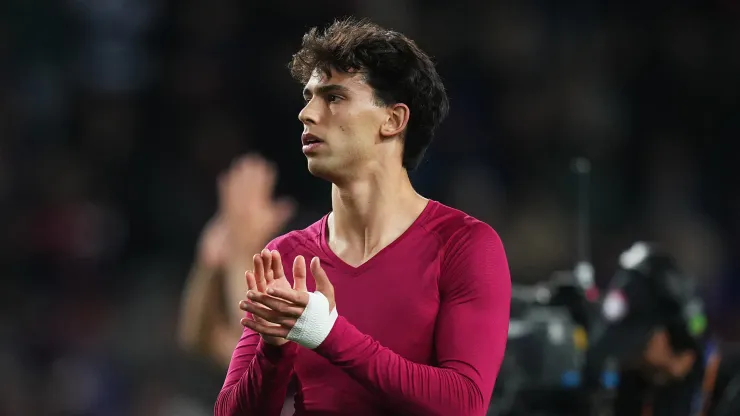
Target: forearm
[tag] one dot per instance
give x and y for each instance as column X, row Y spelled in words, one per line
column 199, row 288
column 415, row 388
column 257, row 380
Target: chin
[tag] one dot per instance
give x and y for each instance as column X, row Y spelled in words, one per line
column 320, row 169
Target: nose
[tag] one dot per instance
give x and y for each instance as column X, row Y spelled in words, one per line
column 309, row 114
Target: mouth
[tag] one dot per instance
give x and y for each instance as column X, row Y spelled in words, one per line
column 310, row 139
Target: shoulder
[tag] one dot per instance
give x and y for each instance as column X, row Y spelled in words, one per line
column 295, row 240
column 472, row 260
column 460, row 233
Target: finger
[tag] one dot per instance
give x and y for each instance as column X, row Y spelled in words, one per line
column 233, row 191
column 224, row 196
column 248, row 164
column 282, row 306
column 323, row 284
column 253, row 169
column 299, row 299
column 267, row 264
column 277, row 264
column 259, row 273
column 251, row 282
column 269, row 315
column 299, row 274
column 243, row 303
column 260, row 328
column 269, row 177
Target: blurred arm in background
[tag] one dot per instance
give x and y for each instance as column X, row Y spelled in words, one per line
column 248, row 218
column 199, row 315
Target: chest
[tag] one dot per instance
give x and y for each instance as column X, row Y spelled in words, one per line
column 403, row 294
column 393, row 299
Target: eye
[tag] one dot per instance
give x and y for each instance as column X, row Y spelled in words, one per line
column 333, row 98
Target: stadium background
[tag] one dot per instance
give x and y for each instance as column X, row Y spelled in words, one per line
column 116, row 117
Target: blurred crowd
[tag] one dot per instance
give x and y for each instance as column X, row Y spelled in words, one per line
column 117, row 117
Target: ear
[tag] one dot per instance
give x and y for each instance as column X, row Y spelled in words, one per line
column 397, row 118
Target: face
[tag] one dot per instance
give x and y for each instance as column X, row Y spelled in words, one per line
column 342, row 113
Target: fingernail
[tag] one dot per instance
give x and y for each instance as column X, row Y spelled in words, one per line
column 251, row 295
column 270, row 291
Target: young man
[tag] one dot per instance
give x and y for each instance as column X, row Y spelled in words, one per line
column 405, row 310
column 652, row 329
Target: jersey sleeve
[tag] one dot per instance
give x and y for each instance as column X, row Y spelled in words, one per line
column 257, row 379
column 471, row 334
column 258, row 375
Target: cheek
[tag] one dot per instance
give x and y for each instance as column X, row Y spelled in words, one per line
column 363, row 123
column 353, row 133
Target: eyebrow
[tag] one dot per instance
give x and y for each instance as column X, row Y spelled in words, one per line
column 327, row 89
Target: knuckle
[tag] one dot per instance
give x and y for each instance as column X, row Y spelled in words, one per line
column 282, row 308
column 267, row 301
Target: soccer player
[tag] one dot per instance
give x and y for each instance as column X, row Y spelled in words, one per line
column 404, row 309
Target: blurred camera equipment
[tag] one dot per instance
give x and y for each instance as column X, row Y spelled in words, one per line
column 542, row 369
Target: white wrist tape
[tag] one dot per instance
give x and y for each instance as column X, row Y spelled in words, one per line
column 315, row 323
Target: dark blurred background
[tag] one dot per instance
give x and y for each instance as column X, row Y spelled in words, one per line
column 116, row 117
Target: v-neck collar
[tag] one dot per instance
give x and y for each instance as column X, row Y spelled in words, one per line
column 347, row 268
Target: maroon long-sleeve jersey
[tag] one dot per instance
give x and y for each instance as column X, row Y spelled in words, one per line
column 422, row 328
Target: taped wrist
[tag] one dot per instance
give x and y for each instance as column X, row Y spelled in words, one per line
column 315, row 323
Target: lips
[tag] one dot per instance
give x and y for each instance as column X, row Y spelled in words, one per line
column 309, row 139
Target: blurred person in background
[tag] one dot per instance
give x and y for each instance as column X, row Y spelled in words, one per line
column 248, row 217
column 419, row 322
column 653, row 325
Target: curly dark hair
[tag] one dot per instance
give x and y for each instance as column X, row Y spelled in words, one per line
column 393, row 65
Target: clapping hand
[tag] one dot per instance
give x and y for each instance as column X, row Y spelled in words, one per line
column 276, row 310
column 268, row 274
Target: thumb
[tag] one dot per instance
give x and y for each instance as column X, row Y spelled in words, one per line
column 323, row 284
column 299, row 274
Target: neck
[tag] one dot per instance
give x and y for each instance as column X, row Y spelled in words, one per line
column 370, row 212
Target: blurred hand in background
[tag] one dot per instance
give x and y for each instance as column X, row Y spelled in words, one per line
column 248, row 217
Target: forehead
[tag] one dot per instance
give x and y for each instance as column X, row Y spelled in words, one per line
column 354, row 81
